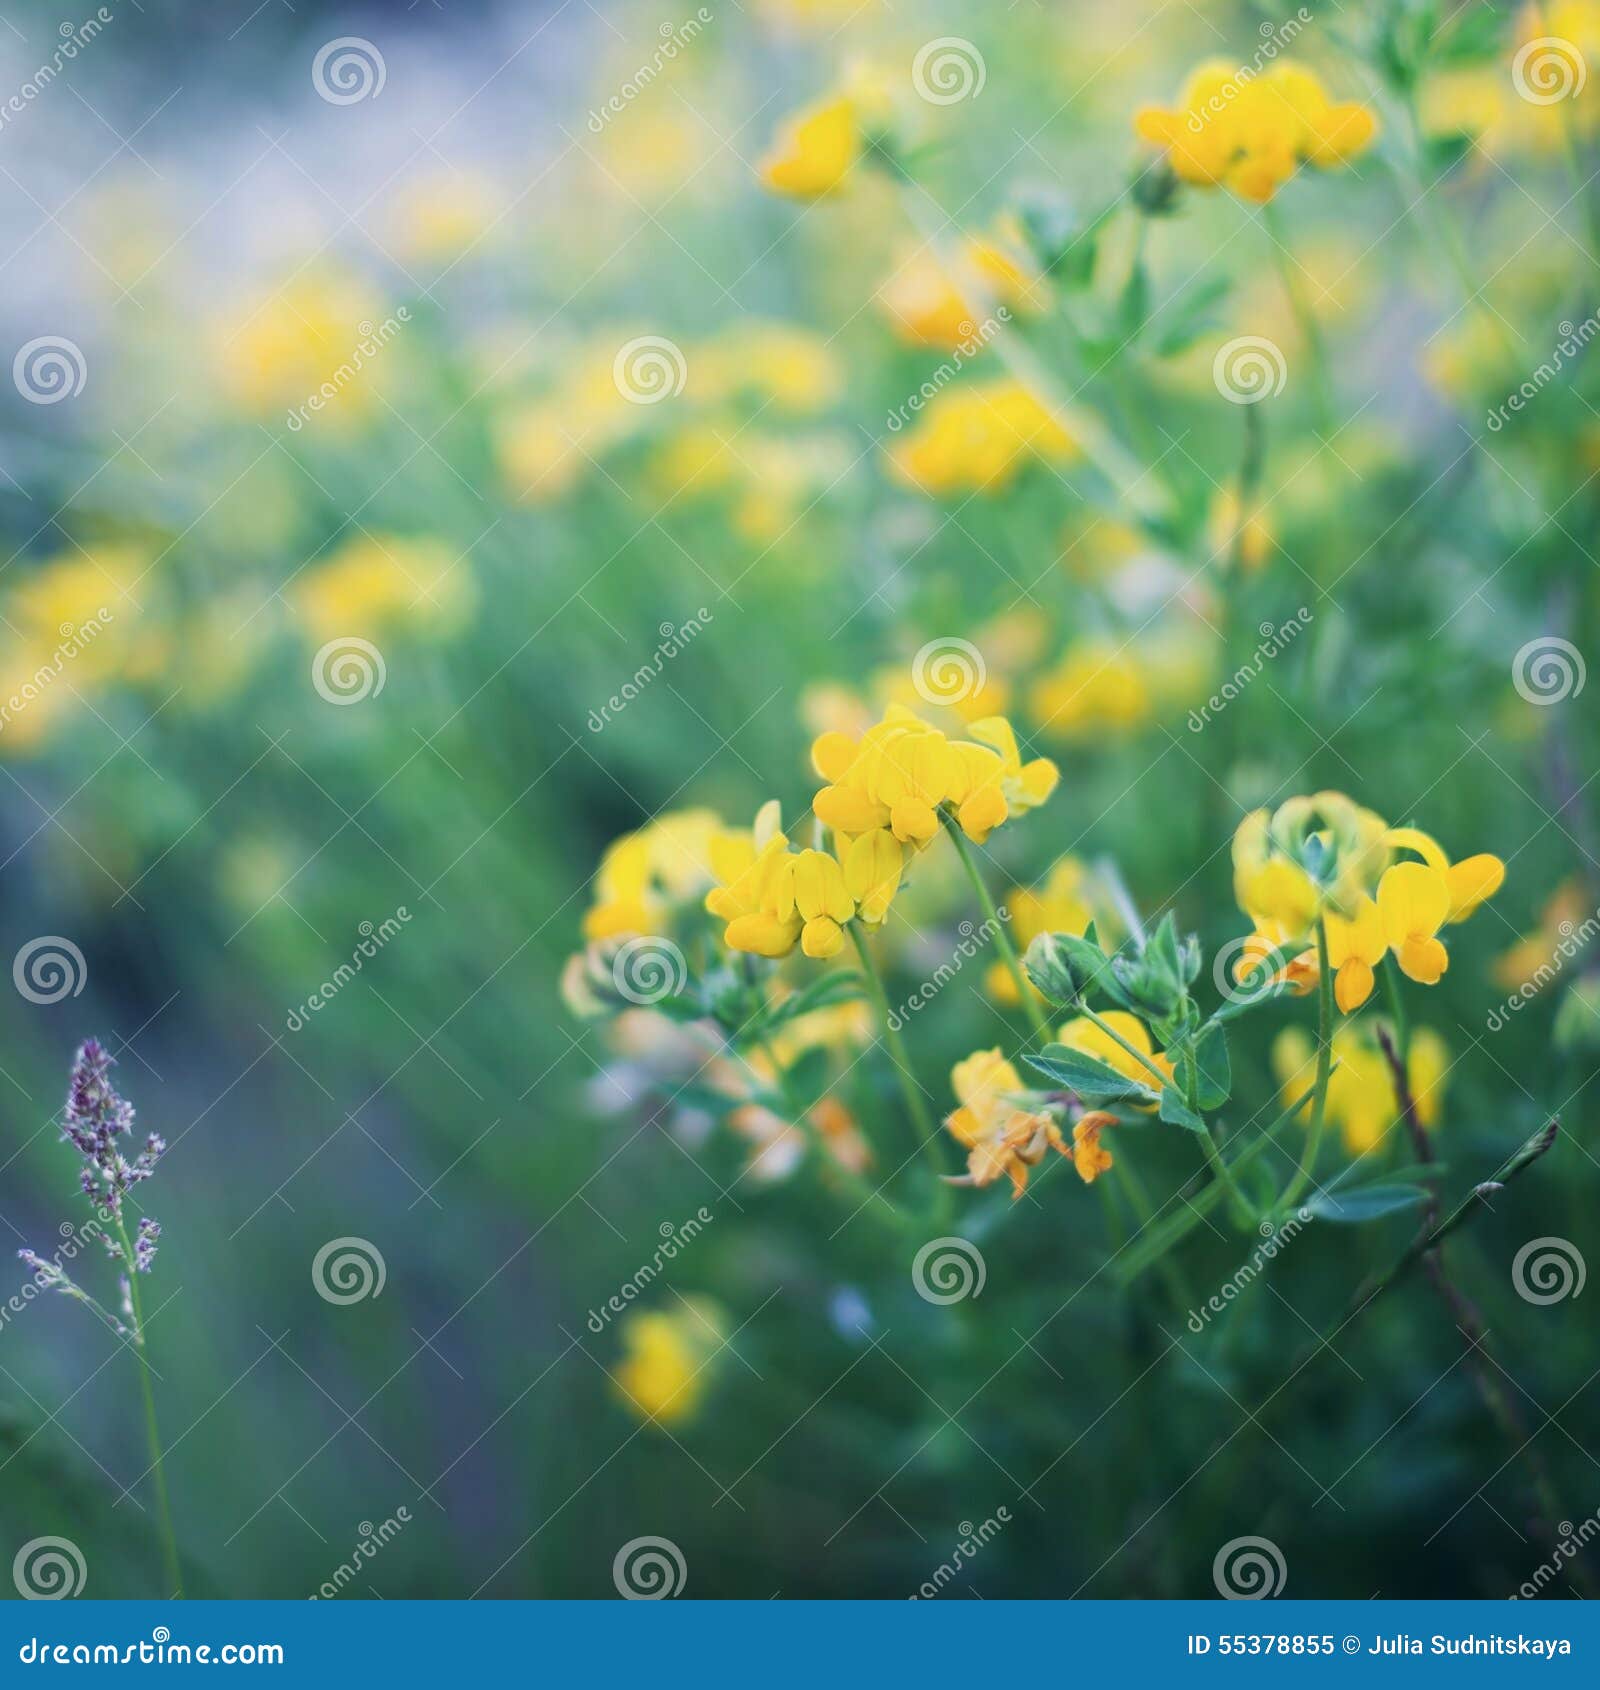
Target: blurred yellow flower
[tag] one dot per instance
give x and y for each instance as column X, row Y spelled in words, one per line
column 444, row 214
column 1255, row 538
column 792, row 367
column 1097, row 687
column 666, row 1359
column 815, row 149
column 928, row 305
column 1250, row 133
column 305, row 341
column 378, row 581
column 1361, row 1096
column 1082, row 1034
column 978, row 437
column 642, row 875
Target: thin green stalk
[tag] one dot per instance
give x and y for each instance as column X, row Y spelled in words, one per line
column 1008, row 952
column 169, row 1540
column 900, row 1061
column 1319, row 1106
column 1133, row 1188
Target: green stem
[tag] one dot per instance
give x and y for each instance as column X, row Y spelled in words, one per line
column 1319, row 1106
column 1132, row 1049
column 1008, row 952
column 169, row 1540
column 1133, row 1188
column 900, row 1061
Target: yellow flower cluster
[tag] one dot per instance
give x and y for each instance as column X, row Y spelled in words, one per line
column 928, row 305
column 666, row 1357
column 1004, row 1138
column 379, row 581
column 1250, row 134
column 1325, row 857
column 1361, row 1098
column 978, row 438
column 643, row 874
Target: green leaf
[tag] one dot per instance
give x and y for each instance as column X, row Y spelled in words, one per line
column 841, row 986
column 1094, row 1081
column 1190, row 317
column 1133, row 306
column 1365, row 1203
column 1178, row 1113
column 1214, row 1072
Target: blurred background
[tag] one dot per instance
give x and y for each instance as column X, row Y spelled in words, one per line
column 402, row 606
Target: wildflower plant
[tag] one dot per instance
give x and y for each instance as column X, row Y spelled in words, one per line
column 98, row 1122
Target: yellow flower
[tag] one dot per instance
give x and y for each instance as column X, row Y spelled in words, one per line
column 811, row 886
column 1361, row 1098
column 1249, row 134
column 1084, row 1035
column 873, row 863
column 1566, row 908
column 376, row 581
column 641, row 875
column 978, row 437
column 305, row 341
column 1059, row 906
column 927, row 305
column 1089, row 1156
column 1413, row 901
column 1469, row 883
column 662, row 1375
column 999, row 1136
column 1311, row 855
column 815, row 150
column 1096, row 688
column 792, row 367
column 1356, row 945
column 746, row 896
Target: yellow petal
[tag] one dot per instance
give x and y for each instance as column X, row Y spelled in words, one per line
column 1413, row 899
column 1423, row 958
column 1352, row 986
column 1473, row 881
